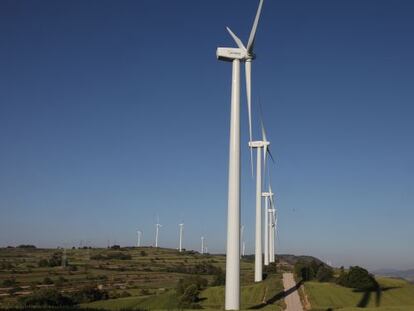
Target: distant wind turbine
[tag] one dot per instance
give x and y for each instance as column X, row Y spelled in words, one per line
column 139, row 233
column 272, row 225
column 202, row 244
column 181, row 236
column 236, row 55
column 157, row 229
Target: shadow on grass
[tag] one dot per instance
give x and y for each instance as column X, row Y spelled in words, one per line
column 366, row 297
column 278, row 296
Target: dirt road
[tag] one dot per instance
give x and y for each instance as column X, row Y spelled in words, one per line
column 292, row 299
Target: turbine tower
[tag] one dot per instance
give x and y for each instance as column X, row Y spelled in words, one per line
column 181, row 237
column 202, row 245
column 236, row 55
column 266, row 228
column 273, row 221
column 139, row 233
column 157, row 229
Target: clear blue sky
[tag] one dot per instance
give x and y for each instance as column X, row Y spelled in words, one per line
column 112, row 112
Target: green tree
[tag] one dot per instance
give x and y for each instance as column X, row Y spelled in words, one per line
column 190, row 297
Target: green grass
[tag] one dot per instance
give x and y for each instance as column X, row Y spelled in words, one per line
column 162, row 301
column 396, row 295
column 251, row 295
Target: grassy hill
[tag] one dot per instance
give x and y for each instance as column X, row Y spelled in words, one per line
column 142, row 277
column 395, row 295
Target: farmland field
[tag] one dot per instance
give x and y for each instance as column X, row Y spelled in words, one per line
column 134, row 277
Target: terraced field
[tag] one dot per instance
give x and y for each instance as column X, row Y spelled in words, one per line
column 145, row 278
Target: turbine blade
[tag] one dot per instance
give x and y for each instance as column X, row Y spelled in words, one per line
column 264, row 162
column 236, row 39
column 250, row 43
column 270, row 154
column 264, row 137
column 248, row 70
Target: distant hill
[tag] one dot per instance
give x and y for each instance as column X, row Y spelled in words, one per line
column 404, row 274
column 290, row 259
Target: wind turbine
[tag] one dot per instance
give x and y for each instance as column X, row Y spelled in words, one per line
column 157, row 229
column 202, row 245
column 236, row 55
column 266, row 228
column 139, row 233
column 273, row 228
column 181, row 236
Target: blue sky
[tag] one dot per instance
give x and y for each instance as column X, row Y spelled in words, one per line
column 113, row 112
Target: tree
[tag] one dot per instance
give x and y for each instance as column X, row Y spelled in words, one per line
column 190, row 297
column 357, row 278
column 324, row 274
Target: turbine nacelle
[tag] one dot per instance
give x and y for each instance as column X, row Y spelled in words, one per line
column 258, row 144
column 230, row 54
column 267, row 194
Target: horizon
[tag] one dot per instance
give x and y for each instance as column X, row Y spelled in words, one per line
column 114, row 114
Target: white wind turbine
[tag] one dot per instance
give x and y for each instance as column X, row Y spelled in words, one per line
column 236, row 55
column 273, row 226
column 266, row 228
column 139, row 233
column 181, row 236
column 259, row 145
column 157, row 229
column 202, row 245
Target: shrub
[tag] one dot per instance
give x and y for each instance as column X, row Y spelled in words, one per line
column 219, row 279
column 89, row 293
column 190, row 297
column 26, row 246
column 324, row 274
column 198, row 281
column 357, row 278
column 143, row 253
column 304, row 270
column 9, row 282
column 47, row 281
column 46, row 297
column 54, row 261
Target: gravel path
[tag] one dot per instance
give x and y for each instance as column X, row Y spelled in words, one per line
column 292, row 299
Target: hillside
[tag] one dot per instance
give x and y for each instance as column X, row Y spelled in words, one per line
column 404, row 274
column 142, row 277
column 396, row 295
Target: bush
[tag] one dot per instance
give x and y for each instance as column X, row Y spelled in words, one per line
column 357, row 278
column 183, row 284
column 271, row 268
column 190, row 298
column 54, row 261
column 114, row 255
column 324, row 274
column 304, row 270
column 9, row 283
column 89, row 293
column 219, row 279
column 46, row 297
column 143, row 253
column 26, row 246
column 47, row 281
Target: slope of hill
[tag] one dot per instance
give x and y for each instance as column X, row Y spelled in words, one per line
column 143, row 277
column 405, row 274
column 394, row 295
